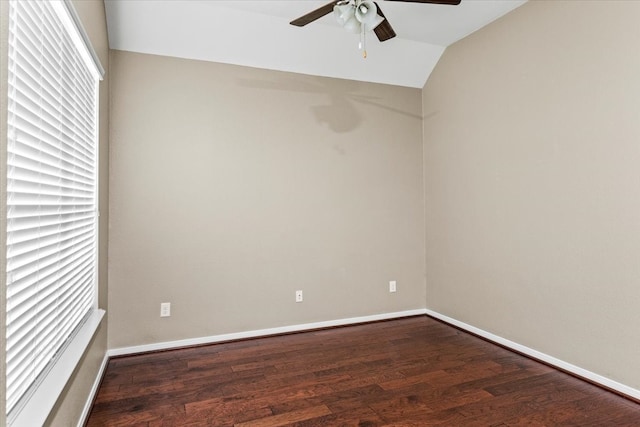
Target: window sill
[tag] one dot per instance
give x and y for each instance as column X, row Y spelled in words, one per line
column 36, row 409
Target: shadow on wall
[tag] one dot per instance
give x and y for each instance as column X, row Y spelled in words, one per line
column 429, row 116
column 339, row 113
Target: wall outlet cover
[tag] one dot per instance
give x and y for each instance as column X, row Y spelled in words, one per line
column 165, row 309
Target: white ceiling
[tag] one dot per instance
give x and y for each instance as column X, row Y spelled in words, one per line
column 257, row 33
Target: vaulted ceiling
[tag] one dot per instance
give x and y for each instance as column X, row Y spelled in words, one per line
column 257, row 33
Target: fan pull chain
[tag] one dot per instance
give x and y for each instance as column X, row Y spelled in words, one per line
column 363, row 42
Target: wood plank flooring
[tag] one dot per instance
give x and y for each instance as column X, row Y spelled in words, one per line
column 407, row 372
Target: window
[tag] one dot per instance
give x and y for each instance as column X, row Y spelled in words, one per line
column 52, row 226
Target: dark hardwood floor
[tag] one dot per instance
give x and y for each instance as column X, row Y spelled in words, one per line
column 408, row 372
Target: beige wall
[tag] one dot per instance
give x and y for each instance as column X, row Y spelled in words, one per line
column 532, row 182
column 231, row 187
column 70, row 405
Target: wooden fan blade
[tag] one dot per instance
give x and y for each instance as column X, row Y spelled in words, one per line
column 451, row 2
column 316, row 14
column 384, row 31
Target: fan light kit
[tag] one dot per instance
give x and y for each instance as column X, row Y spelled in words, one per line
column 360, row 16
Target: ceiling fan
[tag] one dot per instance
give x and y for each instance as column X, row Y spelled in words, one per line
column 360, row 16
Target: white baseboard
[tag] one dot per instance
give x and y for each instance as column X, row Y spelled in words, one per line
column 92, row 393
column 591, row 376
column 260, row 333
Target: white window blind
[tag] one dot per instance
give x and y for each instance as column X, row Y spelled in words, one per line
column 51, row 191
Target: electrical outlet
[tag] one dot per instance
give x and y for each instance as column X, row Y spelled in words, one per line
column 392, row 286
column 165, row 309
column 298, row 296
